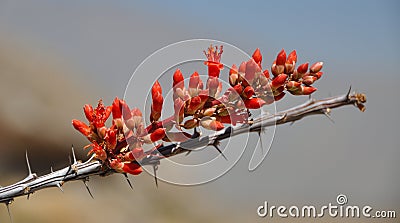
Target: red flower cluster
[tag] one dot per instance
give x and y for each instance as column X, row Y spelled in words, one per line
column 121, row 145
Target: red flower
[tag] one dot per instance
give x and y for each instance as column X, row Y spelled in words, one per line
column 257, row 56
column 254, row 103
column 213, row 61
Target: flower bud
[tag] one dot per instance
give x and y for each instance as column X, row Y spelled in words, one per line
column 88, row 109
column 154, row 136
column 233, row 75
column 209, row 111
column 302, row 69
column 318, row 75
column 156, row 107
column 277, row 69
column 211, row 124
column 116, row 165
column 248, row 92
column 179, row 110
column 98, row 152
column 266, row 73
column 250, row 73
column 238, row 88
column 309, row 80
column 178, row 79
column 102, row 132
column 126, row 111
column 293, row 85
column 191, row 123
column 292, row 58
column 194, row 105
column 116, row 109
column 111, row 138
column 280, row 96
column 242, row 68
column 316, row 67
column 281, row 58
column 201, row 85
column 81, row 127
column 278, row 81
column 132, row 168
column 254, row 103
column 278, row 91
column 212, row 84
column 156, row 89
column 257, row 56
column 194, row 84
column 135, row 154
column 308, row 90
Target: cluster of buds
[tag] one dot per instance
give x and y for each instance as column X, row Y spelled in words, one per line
column 296, row 81
column 121, row 145
column 256, row 86
column 197, row 104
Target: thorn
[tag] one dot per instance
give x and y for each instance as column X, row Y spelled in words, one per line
column 8, row 210
column 155, row 167
column 327, row 114
column 27, row 197
column 73, row 154
column 261, row 144
column 196, row 133
column 292, row 123
column 59, row 185
column 51, row 169
column 127, row 179
column 87, row 187
column 188, row 152
column 348, row 93
column 215, row 144
column 309, row 97
column 27, row 163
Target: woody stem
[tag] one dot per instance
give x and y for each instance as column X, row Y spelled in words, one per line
column 83, row 170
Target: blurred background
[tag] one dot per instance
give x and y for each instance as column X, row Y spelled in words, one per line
column 56, row 56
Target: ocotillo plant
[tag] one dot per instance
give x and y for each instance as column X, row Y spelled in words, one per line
column 119, row 147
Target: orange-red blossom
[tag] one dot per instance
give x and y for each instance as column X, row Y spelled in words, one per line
column 120, row 146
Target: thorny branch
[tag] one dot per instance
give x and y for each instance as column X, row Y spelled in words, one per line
column 83, row 170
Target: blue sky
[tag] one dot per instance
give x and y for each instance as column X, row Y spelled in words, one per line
column 337, row 31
